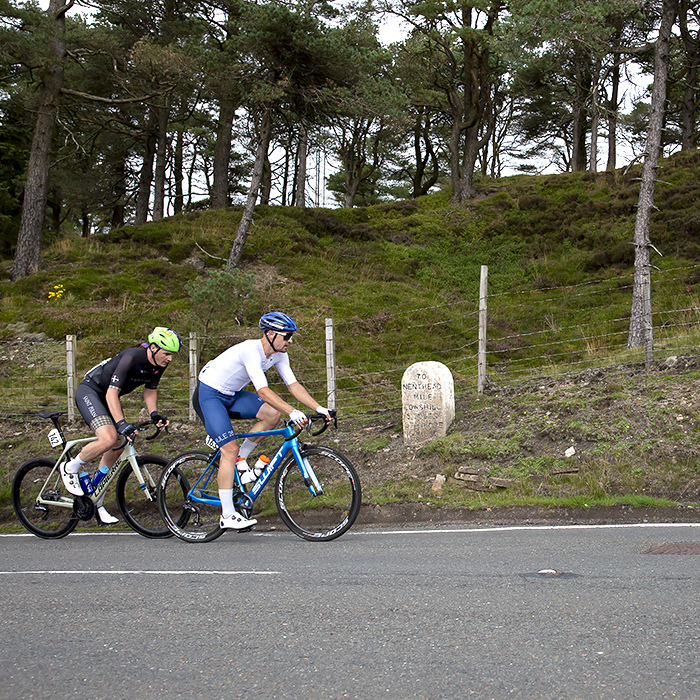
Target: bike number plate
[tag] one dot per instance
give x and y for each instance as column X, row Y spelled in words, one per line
column 55, row 438
column 210, row 443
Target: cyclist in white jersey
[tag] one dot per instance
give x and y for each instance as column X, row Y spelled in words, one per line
column 220, row 396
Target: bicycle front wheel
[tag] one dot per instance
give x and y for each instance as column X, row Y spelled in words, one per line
column 140, row 513
column 54, row 517
column 327, row 515
column 188, row 497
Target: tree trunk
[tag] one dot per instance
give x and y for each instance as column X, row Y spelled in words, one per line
column 641, row 328
column 351, row 186
column 285, row 172
column 595, row 118
column 302, row 152
column 469, row 111
column 85, row 221
column 118, row 168
column 579, row 127
column 266, row 182
column 612, row 117
column 222, row 152
column 161, row 161
column 28, row 252
column 463, row 187
column 143, row 196
column 691, row 101
column 234, row 258
column 421, row 135
column 178, row 167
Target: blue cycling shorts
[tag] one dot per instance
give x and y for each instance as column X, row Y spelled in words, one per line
column 216, row 411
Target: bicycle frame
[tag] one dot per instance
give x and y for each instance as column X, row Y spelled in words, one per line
column 129, row 455
column 290, row 444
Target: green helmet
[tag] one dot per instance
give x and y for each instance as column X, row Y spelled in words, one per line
column 165, row 338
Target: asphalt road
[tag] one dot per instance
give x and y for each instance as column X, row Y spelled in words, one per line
column 425, row 614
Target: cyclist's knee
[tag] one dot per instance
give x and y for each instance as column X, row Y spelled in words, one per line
column 268, row 415
column 230, row 449
column 106, row 438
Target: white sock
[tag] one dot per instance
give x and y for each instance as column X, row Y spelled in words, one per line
column 226, row 497
column 73, row 467
column 246, row 448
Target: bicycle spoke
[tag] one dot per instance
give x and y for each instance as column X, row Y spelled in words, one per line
column 48, row 519
column 139, row 512
column 188, row 497
column 327, row 515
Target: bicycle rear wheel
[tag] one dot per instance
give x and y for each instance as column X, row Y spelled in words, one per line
column 328, row 515
column 140, row 513
column 44, row 520
column 190, row 476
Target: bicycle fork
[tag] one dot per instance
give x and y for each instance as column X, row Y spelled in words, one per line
column 307, row 472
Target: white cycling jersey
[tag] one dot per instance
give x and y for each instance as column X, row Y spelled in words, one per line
column 244, row 363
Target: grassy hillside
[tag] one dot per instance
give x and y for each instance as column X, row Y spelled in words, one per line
column 401, row 282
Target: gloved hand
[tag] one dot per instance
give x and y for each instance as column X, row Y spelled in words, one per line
column 125, row 429
column 324, row 412
column 158, row 418
column 298, row 418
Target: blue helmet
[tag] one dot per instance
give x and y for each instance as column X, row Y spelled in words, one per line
column 278, row 322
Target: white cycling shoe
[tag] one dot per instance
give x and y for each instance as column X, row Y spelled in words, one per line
column 236, row 522
column 70, row 481
column 105, row 517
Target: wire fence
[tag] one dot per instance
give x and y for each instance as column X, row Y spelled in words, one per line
column 532, row 336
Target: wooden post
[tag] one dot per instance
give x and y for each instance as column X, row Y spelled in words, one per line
column 194, row 361
column 481, row 361
column 330, row 364
column 71, row 345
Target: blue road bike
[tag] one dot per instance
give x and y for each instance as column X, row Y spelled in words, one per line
column 317, row 492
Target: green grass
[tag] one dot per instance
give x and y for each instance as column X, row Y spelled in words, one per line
column 401, row 280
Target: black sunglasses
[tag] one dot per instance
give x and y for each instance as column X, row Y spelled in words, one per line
column 287, row 336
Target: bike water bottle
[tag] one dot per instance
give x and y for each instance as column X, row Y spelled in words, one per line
column 260, row 465
column 100, row 474
column 86, row 483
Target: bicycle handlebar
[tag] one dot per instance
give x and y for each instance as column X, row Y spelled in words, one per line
column 140, row 426
column 312, row 418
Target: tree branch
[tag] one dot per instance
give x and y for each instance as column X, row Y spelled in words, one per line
column 107, row 100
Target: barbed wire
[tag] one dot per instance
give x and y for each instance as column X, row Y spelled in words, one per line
column 515, row 357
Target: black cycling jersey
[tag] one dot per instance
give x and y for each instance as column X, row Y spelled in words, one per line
column 125, row 372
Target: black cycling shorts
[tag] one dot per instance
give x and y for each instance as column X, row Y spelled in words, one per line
column 92, row 406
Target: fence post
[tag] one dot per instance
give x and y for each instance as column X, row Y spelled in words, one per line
column 194, row 361
column 481, row 361
column 330, row 364
column 71, row 346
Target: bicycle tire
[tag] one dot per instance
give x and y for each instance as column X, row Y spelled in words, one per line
column 141, row 514
column 325, row 517
column 44, row 521
column 189, row 520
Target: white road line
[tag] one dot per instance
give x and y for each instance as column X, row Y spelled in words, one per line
column 72, row 535
column 137, row 572
column 423, row 531
column 507, row 528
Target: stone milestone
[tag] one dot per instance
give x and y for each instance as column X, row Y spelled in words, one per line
column 428, row 395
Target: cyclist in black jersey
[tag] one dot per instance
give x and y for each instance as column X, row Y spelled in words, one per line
column 97, row 399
